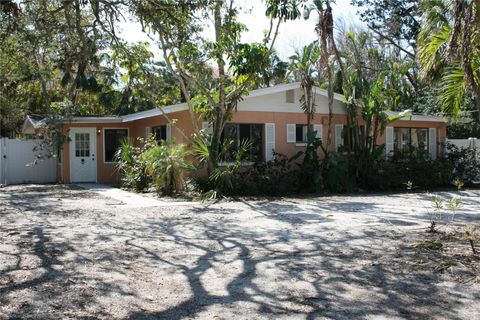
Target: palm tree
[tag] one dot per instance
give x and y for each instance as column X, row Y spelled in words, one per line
column 303, row 67
column 329, row 56
column 274, row 72
column 450, row 50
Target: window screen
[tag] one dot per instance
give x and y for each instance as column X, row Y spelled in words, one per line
column 301, row 133
column 160, row 133
column 236, row 133
column 113, row 139
column 408, row 139
column 290, row 96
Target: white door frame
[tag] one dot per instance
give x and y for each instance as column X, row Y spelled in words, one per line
column 93, row 150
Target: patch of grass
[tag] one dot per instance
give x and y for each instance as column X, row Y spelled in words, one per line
column 445, row 265
column 429, row 245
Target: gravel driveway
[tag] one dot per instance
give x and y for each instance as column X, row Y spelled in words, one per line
column 66, row 252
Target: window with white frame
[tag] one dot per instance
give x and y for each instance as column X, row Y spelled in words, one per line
column 160, row 133
column 238, row 133
column 301, row 131
column 407, row 140
column 298, row 133
column 112, row 142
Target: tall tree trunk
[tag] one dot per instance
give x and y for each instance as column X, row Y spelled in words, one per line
column 477, row 103
column 221, row 105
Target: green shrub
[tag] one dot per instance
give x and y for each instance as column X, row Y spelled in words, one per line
column 130, row 166
column 166, row 164
column 274, row 178
column 418, row 172
column 466, row 163
column 338, row 176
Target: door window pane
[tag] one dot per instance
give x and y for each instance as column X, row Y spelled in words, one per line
column 82, row 145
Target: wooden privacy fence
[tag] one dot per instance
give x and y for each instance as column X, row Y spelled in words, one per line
column 16, row 158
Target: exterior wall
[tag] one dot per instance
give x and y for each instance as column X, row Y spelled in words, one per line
column 182, row 119
column 281, row 119
column 106, row 172
column 274, row 109
column 277, row 101
column 440, row 126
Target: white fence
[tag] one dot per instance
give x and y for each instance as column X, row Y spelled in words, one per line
column 464, row 143
column 16, row 158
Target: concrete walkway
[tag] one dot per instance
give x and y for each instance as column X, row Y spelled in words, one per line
column 128, row 199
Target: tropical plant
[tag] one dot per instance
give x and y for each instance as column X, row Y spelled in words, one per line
column 189, row 55
column 449, row 43
column 167, row 164
column 368, row 95
column 310, row 169
column 129, row 165
column 466, row 163
column 274, row 178
column 275, row 72
column 225, row 180
column 304, row 68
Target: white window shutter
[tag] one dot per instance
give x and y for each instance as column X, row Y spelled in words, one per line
column 319, row 129
column 169, row 131
column 389, row 142
column 432, row 142
column 338, row 135
column 148, row 131
column 291, row 135
column 207, row 127
column 269, row 141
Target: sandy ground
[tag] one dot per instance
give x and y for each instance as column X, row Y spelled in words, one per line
column 66, row 252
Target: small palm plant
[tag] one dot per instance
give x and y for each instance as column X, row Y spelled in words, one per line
column 167, row 164
column 303, row 66
column 128, row 164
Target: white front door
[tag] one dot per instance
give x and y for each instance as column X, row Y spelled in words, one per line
column 83, row 160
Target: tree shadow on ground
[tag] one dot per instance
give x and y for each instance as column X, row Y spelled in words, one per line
column 280, row 260
column 330, row 269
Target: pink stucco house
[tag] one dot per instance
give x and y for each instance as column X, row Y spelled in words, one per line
column 270, row 117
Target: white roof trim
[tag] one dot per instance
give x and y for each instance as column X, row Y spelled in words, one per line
column 254, row 93
column 29, row 125
column 35, row 124
column 417, row 117
column 289, row 86
column 97, row 120
column 155, row 112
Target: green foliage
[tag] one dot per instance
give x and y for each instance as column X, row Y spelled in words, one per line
column 310, row 171
column 217, row 71
column 130, row 165
column 225, row 180
column 274, row 178
column 304, row 68
column 460, row 130
column 369, row 95
column 167, row 164
column 444, row 210
column 275, row 72
column 396, row 21
column 449, row 51
column 466, row 164
column 419, row 171
column 52, row 133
